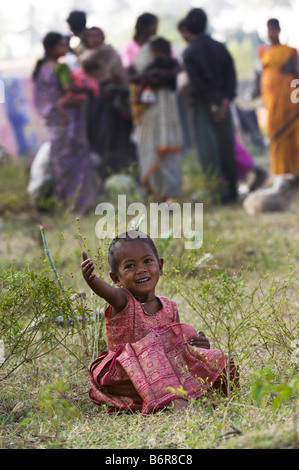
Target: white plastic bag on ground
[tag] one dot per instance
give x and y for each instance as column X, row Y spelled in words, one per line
column 41, row 177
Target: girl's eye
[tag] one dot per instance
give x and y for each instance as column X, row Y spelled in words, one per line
column 128, row 266
column 148, row 260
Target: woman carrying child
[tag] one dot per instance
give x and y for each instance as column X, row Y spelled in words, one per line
column 69, row 155
column 152, row 360
column 157, row 125
column 79, row 82
column 158, row 131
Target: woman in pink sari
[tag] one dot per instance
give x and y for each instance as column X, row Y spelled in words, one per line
column 152, row 359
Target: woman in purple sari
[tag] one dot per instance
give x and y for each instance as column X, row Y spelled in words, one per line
column 74, row 175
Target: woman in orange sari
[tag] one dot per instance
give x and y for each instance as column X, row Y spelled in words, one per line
column 280, row 68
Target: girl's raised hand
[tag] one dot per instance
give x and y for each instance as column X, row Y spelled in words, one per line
column 87, row 267
column 115, row 296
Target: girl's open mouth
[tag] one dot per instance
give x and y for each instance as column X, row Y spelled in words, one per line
column 144, row 279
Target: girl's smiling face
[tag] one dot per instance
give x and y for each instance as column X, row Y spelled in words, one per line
column 139, row 269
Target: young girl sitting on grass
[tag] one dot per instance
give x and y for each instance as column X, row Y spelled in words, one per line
column 152, row 359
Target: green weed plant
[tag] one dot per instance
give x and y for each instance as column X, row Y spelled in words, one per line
column 248, row 311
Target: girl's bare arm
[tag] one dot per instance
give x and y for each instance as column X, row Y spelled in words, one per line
column 115, row 296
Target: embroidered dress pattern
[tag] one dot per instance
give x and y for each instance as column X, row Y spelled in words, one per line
column 148, row 361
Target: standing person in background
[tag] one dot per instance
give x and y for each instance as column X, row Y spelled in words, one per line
column 69, row 155
column 212, row 78
column 17, row 113
column 145, row 28
column 245, row 161
column 158, row 130
column 109, row 124
column 77, row 24
column 280, row 68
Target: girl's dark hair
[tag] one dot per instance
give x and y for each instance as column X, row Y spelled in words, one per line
column 129, row 236
column 144, row 21
column 196, row 21
column 49, row 42
column 273, row 22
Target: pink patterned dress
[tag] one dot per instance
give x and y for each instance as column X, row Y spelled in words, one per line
column 148, row 361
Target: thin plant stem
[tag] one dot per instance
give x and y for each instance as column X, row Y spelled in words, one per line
column 48, row 253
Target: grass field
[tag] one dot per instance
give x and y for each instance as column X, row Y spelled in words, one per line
column 240, row 288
